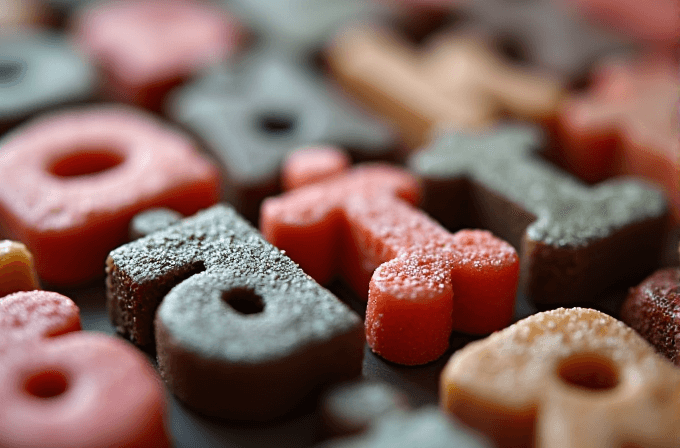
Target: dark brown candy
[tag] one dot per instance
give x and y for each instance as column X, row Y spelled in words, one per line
column 253, row 115
column 574, row 240
column 38, row 71
column 652, row 309
column 241, row 332
column 424, row 428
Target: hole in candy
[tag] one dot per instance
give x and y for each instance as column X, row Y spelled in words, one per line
column 85, row 162
column 243, row 301
column 276, row 124
column 589, row 371
column 10, row 71
column 512, row 48
column 46, row 384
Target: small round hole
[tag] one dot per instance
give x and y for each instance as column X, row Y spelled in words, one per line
column 512, row 49
column 243, row 301
column 589, row 371
column 85, row 162
column 46, row 384
column 9, row 71
column 276, row 124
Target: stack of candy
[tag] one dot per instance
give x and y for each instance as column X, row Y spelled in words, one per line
column 339, row 223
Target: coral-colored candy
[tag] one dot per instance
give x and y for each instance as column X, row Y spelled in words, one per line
column 147, row 47
column 73, row 181
column 80, row 390
column 626, row 124
column 427, row 282
column 32, row 315
column 310, row 165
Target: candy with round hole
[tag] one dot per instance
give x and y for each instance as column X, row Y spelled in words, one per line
column 17, row 270
column 426, row 427
column 147, row 47
column 626, row 124
column 651, row 309
column 240, row 331
column 39, row 71
column 152, row 220
column 73, row 180
column 353, row 407
column 574, row 240
column 454, row 79
column 253, row 114
column 578, row 376
column 30, row 316
column 422, row 282
column 80, row 391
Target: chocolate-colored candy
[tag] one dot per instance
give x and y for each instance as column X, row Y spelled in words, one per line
column 548, row 33
column 38, row 71
column 152, row 220
column 652, row 308
column 245, row 334
column 574, row 240
column 253, row 116
column 424, row 428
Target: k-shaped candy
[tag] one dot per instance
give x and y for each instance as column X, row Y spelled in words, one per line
column 574, row 240
column 567, row 378
column 456, row 80
column 424, row 281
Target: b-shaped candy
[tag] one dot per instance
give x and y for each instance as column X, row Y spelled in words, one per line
column 17, row 270
column 80, row 391
column 455, row 80
column 252, row 115
column 579, row 377
column 574, row 240
column 147, row 47
column 30, row 316
column 72, row 182
column 241, row 332
column 424, row 281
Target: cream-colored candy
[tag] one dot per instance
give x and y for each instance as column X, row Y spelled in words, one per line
column 17, row 271
column 567, row 378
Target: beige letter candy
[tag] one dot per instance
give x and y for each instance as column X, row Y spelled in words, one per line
column 567, row 378
column 17, row 271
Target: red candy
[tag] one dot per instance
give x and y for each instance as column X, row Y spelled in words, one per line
column 626, row 124
column 428, row 281
column 72, row 182
column 80, row 391
column 147, row 47
column 29, row 316
column 310, row 165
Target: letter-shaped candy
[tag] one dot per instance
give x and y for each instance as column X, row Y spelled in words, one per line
column 574, row 240
column 428, row 281
column 72, row 181
column 578, row 376
column 147, row 47
column 80, row 391
column 254, row 114
column 245, row 334
column 17, row 270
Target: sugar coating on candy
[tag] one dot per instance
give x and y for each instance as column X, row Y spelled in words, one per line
column 17, row 270
column 454, row 79
column 66, row 392
column 561, row 225
column 28, row 316
column 241, row 331
column 626, row 123
column 309, row 165
column 152, row 220
column 651, row 308
column 577, row 357
column 73, row 180
column 252, row 114
column 39, row 70
column 426, row 427
column 427, row 282
column 146, row 47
